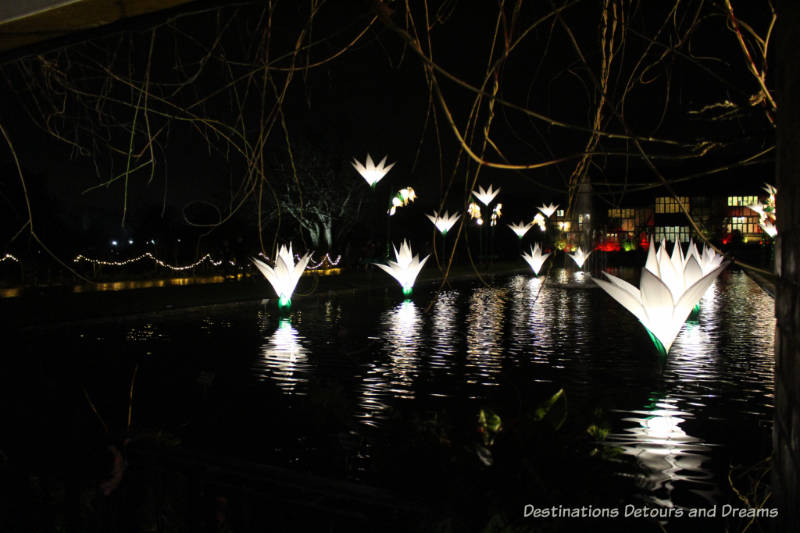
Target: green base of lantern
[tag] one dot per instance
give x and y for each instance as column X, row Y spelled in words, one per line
column 657, row 343
column 284, row 303
column 407, row 291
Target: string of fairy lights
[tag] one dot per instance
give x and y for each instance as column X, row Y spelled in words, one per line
column 80, row 258
column 325, row 263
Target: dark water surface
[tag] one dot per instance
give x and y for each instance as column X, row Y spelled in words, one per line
column 368, row 387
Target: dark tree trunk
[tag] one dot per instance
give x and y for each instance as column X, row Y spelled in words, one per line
column 786, row 431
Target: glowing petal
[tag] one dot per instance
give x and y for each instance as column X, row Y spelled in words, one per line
column 548, row 210
column 371, row 172
column 666, row 294
column 406, row 268
column 443, row 222
column 536, row 259
column 520, row 228
column 486, row 196
column 580, row 257
column 285, row 274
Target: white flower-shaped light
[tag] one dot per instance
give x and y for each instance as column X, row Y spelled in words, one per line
column 284, row 275
column 548, row 210
column 406, row 269
column 371, row 172
column 692, row 251
column 486, row 196
column 580, row 257
column 520, row 228
column 668, row 291
column 709, row 260
column 443, row 222
column 536, row 259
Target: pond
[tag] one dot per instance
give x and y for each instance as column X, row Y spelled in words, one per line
column 474, row 401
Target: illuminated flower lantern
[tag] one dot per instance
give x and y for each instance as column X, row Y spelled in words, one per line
column 711, row 260
column 284, row 275
column 496, row 214
column 668, row 291
column 402, row 199
column 539, row 220
column 768, row 227
column 766, row 211
column 536, row 259
column 486, row 196
column 474, row 211
column 520, row 229
column 443, row 222
column 548, row 210
column 579, row 256
column 370, row 172
column 406, row 268
column 708, row 260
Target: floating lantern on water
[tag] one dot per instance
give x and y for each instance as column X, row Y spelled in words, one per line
column 284, row 275
column 443, row 222
column 520, row 228
column 486, row 196
column 579, row 256
column 708, row 260
column 548, row 210
column 371, row 172
column 536, row 259
column 406, row 268
column 668, row 291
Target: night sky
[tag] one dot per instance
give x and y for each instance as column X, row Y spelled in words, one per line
column 70, row 112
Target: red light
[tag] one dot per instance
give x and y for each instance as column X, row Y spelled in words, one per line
column 609, row 246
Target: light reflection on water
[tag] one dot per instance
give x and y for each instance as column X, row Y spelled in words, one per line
column 568, row 332
column 666, row 453
column 284, row 358
column 725, row 354
column 485, row 318
column 394, row 373
column 444, row 326
column 670, row 417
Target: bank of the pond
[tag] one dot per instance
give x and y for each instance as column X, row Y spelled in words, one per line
column 33, row 306
column 767, row 284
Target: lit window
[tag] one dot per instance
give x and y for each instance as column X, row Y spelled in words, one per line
column 672, row 233
column 668, row 204
column 623, row 219
column 735, row 201
column 744, row 224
